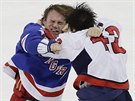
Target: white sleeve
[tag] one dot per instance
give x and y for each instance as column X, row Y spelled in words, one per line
column 42, row 46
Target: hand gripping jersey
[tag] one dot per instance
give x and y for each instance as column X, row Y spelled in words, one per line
column 98, row 61
column 43, row 77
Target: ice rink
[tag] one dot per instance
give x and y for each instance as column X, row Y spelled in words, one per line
column 15, row 14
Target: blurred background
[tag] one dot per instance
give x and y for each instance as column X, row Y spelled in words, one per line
column 15, row 14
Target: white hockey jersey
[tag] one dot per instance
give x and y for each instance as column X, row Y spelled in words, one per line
column 98, row 61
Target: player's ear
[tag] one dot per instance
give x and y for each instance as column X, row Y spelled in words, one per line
column 43, row 21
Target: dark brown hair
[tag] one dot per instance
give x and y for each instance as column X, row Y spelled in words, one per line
column 81, row 18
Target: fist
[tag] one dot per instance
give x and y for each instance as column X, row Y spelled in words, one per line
column 94, row 32
column 55, row 48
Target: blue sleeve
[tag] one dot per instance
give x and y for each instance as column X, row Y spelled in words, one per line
column 34, row 36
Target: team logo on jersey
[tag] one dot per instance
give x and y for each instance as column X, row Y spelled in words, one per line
column 59, row 70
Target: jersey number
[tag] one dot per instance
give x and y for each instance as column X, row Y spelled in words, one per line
column 112, row 30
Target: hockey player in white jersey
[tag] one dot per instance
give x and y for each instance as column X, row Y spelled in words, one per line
column 100, row 63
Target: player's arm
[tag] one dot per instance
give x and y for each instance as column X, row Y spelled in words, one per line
column 46, row 46
column 92, row 31
column 33, row 42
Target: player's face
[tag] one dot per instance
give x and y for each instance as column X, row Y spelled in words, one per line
column 54, row 22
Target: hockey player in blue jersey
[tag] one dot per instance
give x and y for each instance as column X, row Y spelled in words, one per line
column 99, row 62
column 38, row 77
column 47, row 80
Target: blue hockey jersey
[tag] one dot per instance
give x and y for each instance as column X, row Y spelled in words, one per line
column 43, row 77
